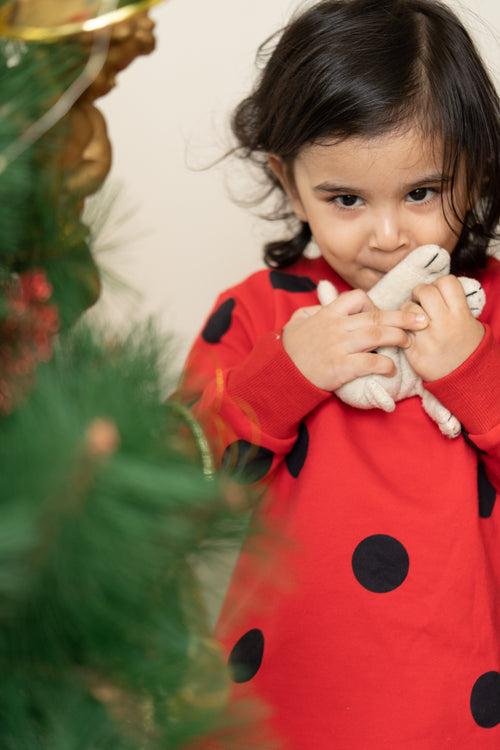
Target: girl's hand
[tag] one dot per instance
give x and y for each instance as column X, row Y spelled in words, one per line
column 452, row 334
column 332, row 345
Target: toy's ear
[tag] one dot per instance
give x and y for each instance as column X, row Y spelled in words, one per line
column 284, row 174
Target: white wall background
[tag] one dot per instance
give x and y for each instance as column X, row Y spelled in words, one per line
column 182, row 239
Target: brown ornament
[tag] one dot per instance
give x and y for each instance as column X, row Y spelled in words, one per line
column 102, row 438
column 88, row 155
column 86, row 159
column 128, row 40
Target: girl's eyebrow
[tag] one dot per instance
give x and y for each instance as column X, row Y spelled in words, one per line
column 331, row 187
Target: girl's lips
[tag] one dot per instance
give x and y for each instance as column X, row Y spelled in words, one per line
column 390, row 259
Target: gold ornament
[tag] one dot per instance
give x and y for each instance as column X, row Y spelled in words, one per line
column 86, row 159
column 53, row 20
column 128, row 39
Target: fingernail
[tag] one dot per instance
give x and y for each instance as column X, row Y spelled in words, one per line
column 420, row 318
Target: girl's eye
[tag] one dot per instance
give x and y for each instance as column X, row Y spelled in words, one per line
column 346, row 201
column 422, row 195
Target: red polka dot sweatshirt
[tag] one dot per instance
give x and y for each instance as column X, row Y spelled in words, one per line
column 370, row 617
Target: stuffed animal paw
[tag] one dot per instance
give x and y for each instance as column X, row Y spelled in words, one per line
column 422, row 266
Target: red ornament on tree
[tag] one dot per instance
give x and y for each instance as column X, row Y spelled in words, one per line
column 28, row 324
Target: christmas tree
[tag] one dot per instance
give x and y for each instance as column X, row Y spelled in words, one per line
column 104, row 641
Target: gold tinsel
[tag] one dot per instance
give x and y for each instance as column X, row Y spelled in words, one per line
column 53, row 20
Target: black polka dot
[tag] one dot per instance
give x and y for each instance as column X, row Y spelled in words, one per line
column 469, row 442
column 246, row 462
column 296, row 458
column 219, row 322
column 486, row 492
column 246, row 657
column 485, row 700
column 291, row 283
column 380, row 563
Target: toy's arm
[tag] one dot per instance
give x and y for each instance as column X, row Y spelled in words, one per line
column 422, row 266
column 248, row 395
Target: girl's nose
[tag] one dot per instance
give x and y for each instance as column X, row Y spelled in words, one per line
column 388, row 232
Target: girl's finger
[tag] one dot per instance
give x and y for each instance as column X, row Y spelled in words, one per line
column 312, row 310
column 430, row 299
column 412, row 307
column 372, row 364
column 405, row 319
column 305, row 312
column 366, row 339
column 350, row 303
column 452, row 292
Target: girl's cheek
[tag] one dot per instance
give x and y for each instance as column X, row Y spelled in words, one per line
column 342, row 245
column 432, row 229
column 347, row 229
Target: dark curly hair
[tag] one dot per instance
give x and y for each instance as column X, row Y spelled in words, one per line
column 364, row 68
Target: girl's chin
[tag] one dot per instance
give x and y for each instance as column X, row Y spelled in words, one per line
column 361, row 277
column 367, row 278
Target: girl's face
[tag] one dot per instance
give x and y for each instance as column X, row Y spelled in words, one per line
column 371, row 201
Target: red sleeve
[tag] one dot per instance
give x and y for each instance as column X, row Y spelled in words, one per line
column 246, row 392
column 472, row 394
column 472, row 391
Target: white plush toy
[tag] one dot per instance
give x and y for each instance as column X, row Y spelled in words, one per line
column 422, row 266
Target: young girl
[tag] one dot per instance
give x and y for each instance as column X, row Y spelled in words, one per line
column 376, row 622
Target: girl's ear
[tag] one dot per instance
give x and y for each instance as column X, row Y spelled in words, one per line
column 284, row 174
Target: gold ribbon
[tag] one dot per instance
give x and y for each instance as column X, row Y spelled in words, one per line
column 207, row 461
column 57, row 32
